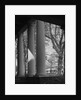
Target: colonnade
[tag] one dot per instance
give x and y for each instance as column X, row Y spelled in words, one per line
column 34, row 66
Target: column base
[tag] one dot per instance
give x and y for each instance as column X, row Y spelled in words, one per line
column 31, row 75
column 42, row 74
column 21, row 76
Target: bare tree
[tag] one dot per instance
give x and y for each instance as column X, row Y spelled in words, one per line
column 58, row 46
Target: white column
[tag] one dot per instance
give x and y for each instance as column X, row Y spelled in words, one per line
column 40, row 48
column 21, row 69
column 31, row 47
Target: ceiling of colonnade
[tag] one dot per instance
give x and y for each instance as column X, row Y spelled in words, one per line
column 22, row 20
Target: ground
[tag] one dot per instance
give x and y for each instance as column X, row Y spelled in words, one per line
column 41, row 80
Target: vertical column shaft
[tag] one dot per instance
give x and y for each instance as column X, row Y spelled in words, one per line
column 40, row 48
column 21, row 69
column 31, row 47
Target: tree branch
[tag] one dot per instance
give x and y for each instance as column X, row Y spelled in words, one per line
column 56, row 42
column 61, row 37
column 54, row 46
column 63, row 46
column 47, row 36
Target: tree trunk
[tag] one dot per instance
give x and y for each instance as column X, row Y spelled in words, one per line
column 59, row 64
